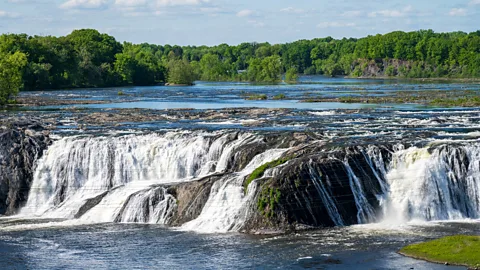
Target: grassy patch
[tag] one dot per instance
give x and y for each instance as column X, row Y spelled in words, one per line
column 457, row 250
column 457, row 102
column 439, row 98
column 258, row 172
column 257, row 97
column 279, row 97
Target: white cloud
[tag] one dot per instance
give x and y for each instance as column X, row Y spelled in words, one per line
column 84, row 4
column 474, row 2
column 335, row 24
column 391, row 12
column 292, row 10
column 458, row 12
column 180, row 2
column 352, row 13
column 130, row 3
column 245, row 13
column 5, row 14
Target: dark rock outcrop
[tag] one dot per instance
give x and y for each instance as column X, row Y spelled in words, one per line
column 191, row 198
column 316, row 188
column 22, row 142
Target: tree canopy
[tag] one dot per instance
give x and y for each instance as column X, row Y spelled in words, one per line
column 11, row 66
column 88, row 58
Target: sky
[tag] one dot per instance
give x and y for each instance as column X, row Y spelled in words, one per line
column 212, row 22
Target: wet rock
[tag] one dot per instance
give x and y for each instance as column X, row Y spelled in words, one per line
column 314, row 189
column 89, row 204
column 19, row 149
column 191, row 198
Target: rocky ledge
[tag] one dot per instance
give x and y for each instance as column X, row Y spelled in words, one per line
column 22, row 142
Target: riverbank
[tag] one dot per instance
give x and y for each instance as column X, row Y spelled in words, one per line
column 436, row 79
column 460, row 250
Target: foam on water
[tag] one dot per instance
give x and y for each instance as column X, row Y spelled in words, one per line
column 227, row 207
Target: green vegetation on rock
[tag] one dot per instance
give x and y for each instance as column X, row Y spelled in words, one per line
column 267, row 201
column 258, row 172
column 456, row 98
column 457, row 250
column 457, row 102
column 279, row 97
column 257, row 97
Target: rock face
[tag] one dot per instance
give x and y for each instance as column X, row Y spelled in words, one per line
column 21, row 144
column 319, row 187
column 191, row 198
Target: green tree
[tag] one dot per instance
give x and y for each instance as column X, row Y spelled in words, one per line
column 291, row 75
column 268, row 69
column 180, row 72
column 213, row 69
column 11, row 66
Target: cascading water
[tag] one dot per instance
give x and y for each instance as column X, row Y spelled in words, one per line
column 434, row 183
column 123, row 179
column 153, row 206
column 227, row 207
column 77, row 169
column 325, row 196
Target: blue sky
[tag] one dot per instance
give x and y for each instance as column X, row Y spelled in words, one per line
column 210, row 22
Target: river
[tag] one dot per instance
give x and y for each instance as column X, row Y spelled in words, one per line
column 101, row 194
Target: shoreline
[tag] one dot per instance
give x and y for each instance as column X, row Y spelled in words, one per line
column 443, row 79
column 433, row 261
column 459, row 250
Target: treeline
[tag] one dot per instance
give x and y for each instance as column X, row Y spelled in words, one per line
column 87, row 58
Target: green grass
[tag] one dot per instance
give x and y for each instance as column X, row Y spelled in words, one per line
column 279, row 97
column 457, row 102
column 458, row 250
column 257, row 97
column 258, row 172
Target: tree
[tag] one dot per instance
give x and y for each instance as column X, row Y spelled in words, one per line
column 180, row 72
column 268, row 69
column 212, row 68
column 11, row 66
column 291, row 75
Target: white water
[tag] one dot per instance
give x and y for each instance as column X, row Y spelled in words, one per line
column 77, row 169
column 325, row 196
column 227, row 207
column 126, row 171
column 433, row 184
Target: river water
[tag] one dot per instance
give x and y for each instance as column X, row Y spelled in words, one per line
column 130, row 246
column 31, row 241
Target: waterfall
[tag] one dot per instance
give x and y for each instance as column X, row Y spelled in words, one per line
column 154, row 206
column 438, row 182
column 325, row 196
column 128, row 178
column 76, row 170
column 365, row 212
column 227, row 207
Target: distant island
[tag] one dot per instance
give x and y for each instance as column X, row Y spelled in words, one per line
column 88, row 58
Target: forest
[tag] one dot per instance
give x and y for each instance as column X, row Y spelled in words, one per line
column 88, row 58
